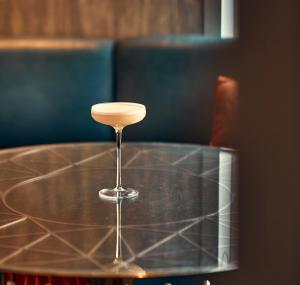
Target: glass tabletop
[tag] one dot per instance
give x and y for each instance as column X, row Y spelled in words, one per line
column 183, row 222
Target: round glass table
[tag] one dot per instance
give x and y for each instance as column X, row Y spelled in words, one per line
column 52, row 221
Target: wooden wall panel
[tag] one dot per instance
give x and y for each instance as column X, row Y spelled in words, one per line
column 190, row 21
column 99, row 18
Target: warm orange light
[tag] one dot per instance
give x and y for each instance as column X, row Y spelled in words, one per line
column 55, row 44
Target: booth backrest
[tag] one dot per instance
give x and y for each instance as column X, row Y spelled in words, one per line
column 47, row 88
column 175, row 77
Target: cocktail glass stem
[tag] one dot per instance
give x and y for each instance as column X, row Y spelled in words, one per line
column 118, row 192
column 119, row 157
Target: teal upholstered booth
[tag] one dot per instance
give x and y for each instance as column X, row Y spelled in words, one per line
column 47, row 88
column 175, row 77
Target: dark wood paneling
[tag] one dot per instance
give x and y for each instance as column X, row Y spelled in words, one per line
column 99, row 18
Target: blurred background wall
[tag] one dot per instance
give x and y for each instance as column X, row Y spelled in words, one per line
column 99, row 18
column 116, row 18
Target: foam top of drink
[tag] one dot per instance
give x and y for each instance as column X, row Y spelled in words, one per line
column 118, row 114
column 118, row 108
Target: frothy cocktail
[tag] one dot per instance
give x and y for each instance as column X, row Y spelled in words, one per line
column 118, row 114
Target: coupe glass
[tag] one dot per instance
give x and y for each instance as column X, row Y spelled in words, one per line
column 118, row 115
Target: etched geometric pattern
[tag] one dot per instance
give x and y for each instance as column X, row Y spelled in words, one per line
column 51, row 220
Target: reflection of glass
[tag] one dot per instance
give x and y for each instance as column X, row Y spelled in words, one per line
column 118, row 115
column 119, row 265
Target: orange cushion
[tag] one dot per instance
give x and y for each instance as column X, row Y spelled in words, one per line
column 224, row 113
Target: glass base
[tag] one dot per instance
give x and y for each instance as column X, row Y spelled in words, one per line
column 118, row 194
